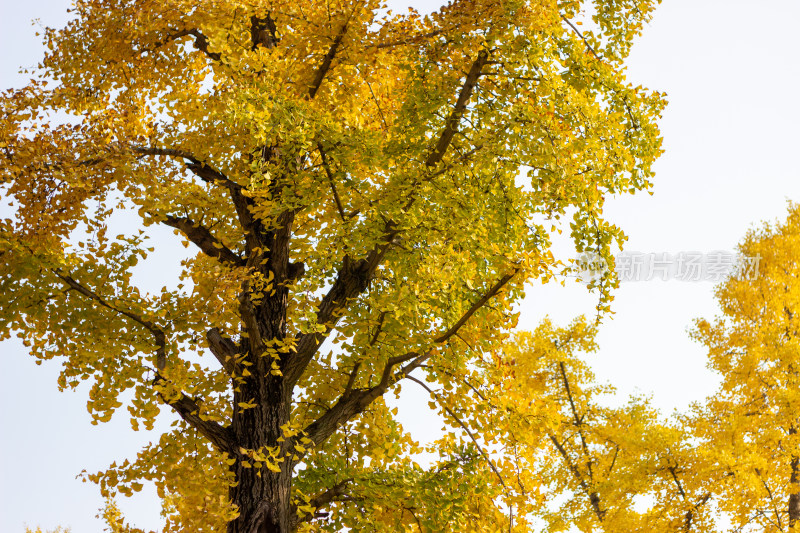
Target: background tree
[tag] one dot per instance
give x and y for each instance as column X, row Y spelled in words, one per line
column 386, row 183
column 592, row 467
column 749, row 429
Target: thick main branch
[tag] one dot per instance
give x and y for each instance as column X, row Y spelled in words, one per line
column 451, row 125
column 352, row 280
column 327, row 61
column 200, row 41
column 210, row 175
column 203, row 239
column 185, row 406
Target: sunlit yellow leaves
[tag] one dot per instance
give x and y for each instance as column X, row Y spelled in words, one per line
column 748, row 429
column 329, row 149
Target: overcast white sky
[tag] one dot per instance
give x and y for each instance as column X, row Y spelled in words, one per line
column 731, row 73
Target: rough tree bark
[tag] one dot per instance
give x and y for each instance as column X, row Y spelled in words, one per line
column 263, row 495
column 794, row 488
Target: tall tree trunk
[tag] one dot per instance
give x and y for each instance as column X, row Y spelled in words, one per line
column 262, row 401
column 794, row 493
column 262, row 495
column 261, row 408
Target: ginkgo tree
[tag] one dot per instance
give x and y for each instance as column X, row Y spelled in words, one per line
column 367, row 193
column 582, row 464
column 749, row 430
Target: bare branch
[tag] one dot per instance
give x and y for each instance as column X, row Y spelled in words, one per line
column 189, row 410
column 772, row 499
column 263, row 32
column 210, row 175
column 201, row 43
column 351, row 280
column 689, row 516
column 329, row 173
column 352, row 403
column 466, row 382
column 200, row 168
column 351, row 379
column 157, row 332
column 671, row 470
column 577, row 419
column 444, row 337
column 321, row 500
column 583, row 38
column 594, row 498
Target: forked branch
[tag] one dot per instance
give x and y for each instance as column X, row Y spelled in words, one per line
column 594, row 497
column 210, row 175
column 322, row 499
column 200, row 168
column 352, row 279
column 354, row 401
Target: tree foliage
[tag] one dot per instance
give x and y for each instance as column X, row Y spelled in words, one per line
column 748, row 431
column 578, row 463
column 367, row 195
